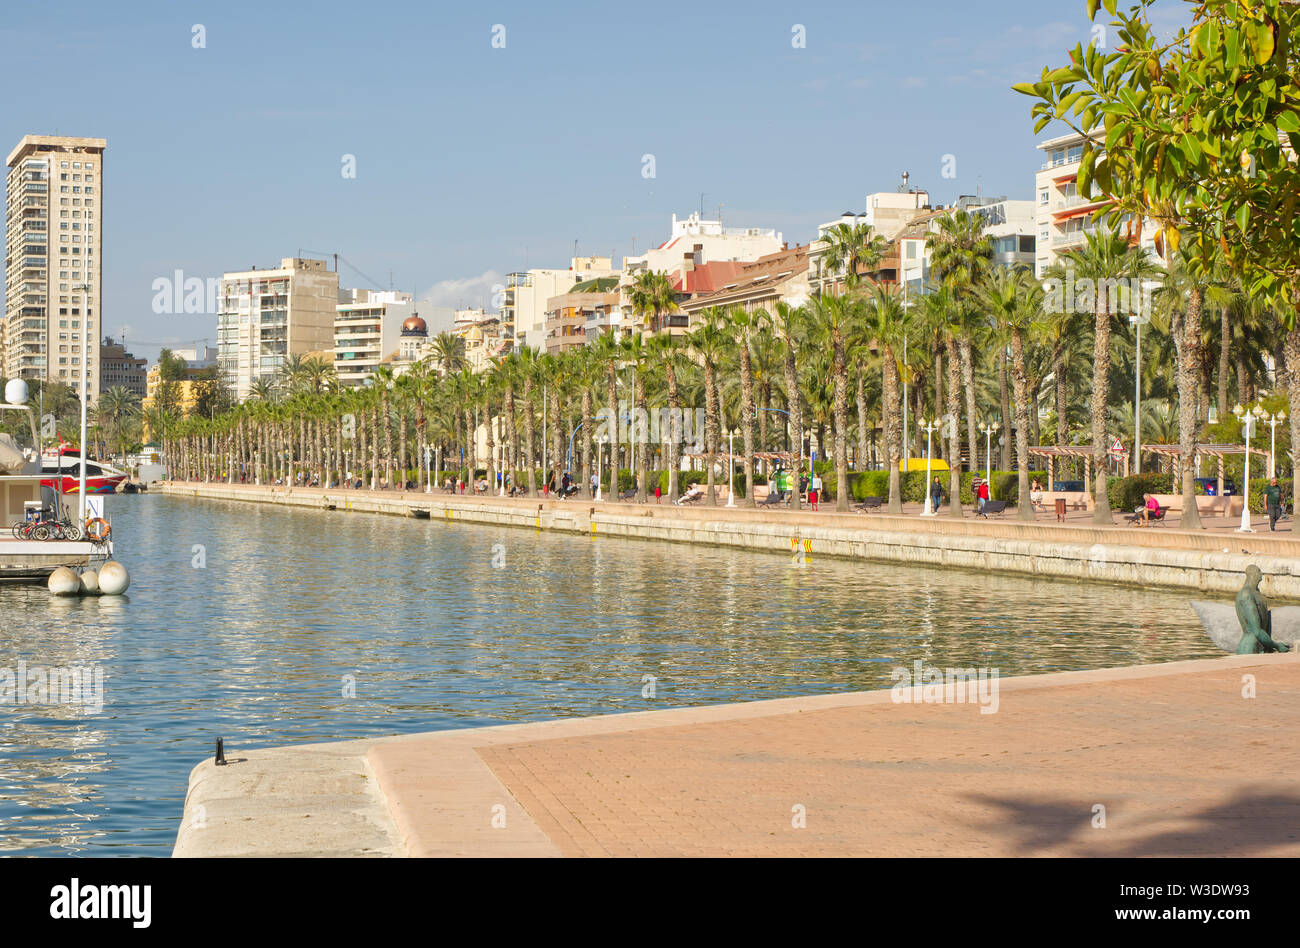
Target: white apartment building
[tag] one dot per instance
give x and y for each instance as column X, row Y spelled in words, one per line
column 53, row 254
column 265, row 316
column 367, row 327
column 1009, row 224
column 709, row 242
column 1063, row 215
column 523, row 311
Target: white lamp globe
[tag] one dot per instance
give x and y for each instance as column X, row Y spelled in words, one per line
column 16, row 392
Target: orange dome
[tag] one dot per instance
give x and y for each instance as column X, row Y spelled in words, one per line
column 415, row 325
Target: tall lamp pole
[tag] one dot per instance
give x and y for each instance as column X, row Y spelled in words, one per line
column 85, row 389
column 1272, row 421
column 1247, row 417
column 1137, row 321
column 731, row 467
column 929, row 427
column 987, row 431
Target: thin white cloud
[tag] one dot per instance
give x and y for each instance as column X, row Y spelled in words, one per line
column 466, row 291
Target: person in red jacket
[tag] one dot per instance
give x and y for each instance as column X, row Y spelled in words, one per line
column 981, row 495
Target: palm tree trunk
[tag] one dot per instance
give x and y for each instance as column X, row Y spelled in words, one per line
column 861, row 458
column 530, row 446
column 1100, row 389
column 794, row 424
column 1225, row 359
column 954, row 443
column 1019, row 381
column 1004, row 456
column 1291, row 378
column 889, row 395
column 1188, row 360
column 747, row 418
column 711, row 432
column 587, row 436
column 642, row 432
column 841, row 372
column 674, row 429
column 968, row 385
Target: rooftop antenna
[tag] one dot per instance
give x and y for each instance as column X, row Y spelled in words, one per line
column 701, row 205
column 902, row 188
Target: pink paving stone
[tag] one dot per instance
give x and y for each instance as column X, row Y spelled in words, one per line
column 1181, row 761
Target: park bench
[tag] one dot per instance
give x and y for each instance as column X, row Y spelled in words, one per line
column 992, row 507
column 869, row 503
column 1135, row 518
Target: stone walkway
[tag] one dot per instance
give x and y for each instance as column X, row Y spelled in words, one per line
column 1181, row 762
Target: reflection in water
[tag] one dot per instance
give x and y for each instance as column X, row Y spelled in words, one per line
column 256, row 646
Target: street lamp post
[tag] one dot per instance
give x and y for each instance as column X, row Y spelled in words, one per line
column 600, row 454
column 987, row 431
column 85, row 389
column 1272, row 421
column 1247, row 417
column 929, row 427
column 1137, row 321
column 731, row 467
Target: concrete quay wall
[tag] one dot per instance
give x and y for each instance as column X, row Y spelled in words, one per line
column 1168, row 558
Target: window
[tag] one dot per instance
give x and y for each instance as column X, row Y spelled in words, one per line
column 63, row 164
column 76, row 164
column 89, row 189
column 63, row 177
column 76, row 177
column 90, row 165
column 63, row 189
column 1043, row 196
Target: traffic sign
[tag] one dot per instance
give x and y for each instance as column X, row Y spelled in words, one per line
column 1118, row 448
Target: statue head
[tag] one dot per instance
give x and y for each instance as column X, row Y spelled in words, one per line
column 1253, row 575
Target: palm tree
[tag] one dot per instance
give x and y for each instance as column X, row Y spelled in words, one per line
column 609, row 354
column 114, row 408
column 1104, row 259
column 1013, row 300
column 960, row 255
column 651, row 294
column 635, row 354
column 852, row 248
column 889, row 322
column 746, row 326
column 941, row 309
column 708, row 342
column 833, row 320
column 665, row 349
column 448, row 353
column 791, row 324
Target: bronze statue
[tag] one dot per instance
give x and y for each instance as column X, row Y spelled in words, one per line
column 1253, row 614
column 1248, row 625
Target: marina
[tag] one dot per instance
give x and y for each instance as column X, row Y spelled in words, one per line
column 227, row 636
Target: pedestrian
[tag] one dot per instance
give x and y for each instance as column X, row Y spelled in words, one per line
column 594, row 483
column 981, row 494
column 657, row 492
column 814, row 491
column 1273, row 502
column 936, row 495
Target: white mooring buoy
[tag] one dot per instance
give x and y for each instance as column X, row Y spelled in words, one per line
column 64, row 582
column 90, row 583
column 113, row 578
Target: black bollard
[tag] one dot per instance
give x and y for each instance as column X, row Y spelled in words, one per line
column 221, row 753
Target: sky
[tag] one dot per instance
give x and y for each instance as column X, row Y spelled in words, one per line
column 480, row 150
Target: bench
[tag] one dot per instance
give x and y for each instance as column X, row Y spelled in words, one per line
column 869, row 503
column 1136, row 520
column 992, row 507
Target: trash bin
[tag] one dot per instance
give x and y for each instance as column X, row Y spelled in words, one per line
column 1060, row 509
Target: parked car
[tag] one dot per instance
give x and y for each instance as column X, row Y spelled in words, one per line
column 1068, row 486
column 1210, row 485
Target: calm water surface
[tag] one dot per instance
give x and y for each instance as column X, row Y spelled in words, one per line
column 255, row 646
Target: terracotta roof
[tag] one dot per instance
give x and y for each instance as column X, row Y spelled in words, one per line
column 706, row 278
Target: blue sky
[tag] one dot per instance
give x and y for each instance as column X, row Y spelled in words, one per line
column 473, row 161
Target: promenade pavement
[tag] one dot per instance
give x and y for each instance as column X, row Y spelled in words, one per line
column 1183, row 759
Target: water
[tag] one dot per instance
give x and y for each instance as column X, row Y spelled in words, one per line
column 255, row 646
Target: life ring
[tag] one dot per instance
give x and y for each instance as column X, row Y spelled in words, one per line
column 97, row 535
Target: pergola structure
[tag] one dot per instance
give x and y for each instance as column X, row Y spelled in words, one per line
column 1216, row 451
column 1054, row 451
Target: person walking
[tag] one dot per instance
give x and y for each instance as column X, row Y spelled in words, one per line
column 1273, row 503
column 814, row 491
